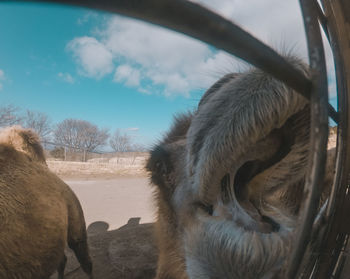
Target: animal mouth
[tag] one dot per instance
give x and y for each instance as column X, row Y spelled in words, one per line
column 247, row 151
column 234, row 200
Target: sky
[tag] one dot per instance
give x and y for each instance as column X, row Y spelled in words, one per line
column 120, row 73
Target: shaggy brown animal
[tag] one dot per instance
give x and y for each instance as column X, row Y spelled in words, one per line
column 229, row 179
column 39, row 213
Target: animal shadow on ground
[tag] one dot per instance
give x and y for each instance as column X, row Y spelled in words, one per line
column 128, row 252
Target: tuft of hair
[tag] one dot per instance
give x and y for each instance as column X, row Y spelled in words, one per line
column 23, row 140
column 179, row 128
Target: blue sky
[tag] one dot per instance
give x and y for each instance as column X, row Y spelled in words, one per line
column 33, row 53
column 118, row 73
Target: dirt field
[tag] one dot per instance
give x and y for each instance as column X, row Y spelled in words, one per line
column 121, row 244
column 114, row 201
column 117, row 203
column 101, row 167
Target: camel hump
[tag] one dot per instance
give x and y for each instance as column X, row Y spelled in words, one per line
column 23, row 140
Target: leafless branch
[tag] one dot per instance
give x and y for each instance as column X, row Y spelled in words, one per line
column 9, row 116
column 80, row 134
column 39, row 122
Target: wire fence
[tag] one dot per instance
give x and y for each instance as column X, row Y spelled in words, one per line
column 64, row 152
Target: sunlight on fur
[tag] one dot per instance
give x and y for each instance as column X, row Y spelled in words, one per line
column 228, row 179
column 39, row 213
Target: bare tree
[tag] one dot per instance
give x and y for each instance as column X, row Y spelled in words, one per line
column 9, row 116
column 39, row 122
column 81, row 135
column 121, row 142
column 137, row 147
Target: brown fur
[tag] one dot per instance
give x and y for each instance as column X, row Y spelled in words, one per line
column 229, row 180
column 39, row 214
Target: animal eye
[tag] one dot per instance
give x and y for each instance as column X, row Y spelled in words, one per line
column 208, row 208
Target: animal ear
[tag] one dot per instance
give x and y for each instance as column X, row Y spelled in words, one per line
column 159, row 162
column 160, row 166
column 32, row 145
column 23, row 140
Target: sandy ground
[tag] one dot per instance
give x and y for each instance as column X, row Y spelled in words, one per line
column 118, row 214
column 114, row 201
column 100, row 167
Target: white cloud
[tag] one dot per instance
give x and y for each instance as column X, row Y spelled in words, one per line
column 94, row 59
column 148, row 55
column 86, row 17
column 142, row 55
column 223, row 7
column 66, row 77
column 129, row 75
column 277, row 23
column 161, row 57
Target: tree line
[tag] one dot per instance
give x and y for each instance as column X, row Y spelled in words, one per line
column 76, row 134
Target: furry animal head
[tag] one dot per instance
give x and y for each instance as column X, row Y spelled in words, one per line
column 23, row 140
column 230, row 178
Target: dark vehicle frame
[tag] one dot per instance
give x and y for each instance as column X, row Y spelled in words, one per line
column 323, row 231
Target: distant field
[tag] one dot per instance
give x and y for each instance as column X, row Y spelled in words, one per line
column 100, row 167
column 110, row 167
